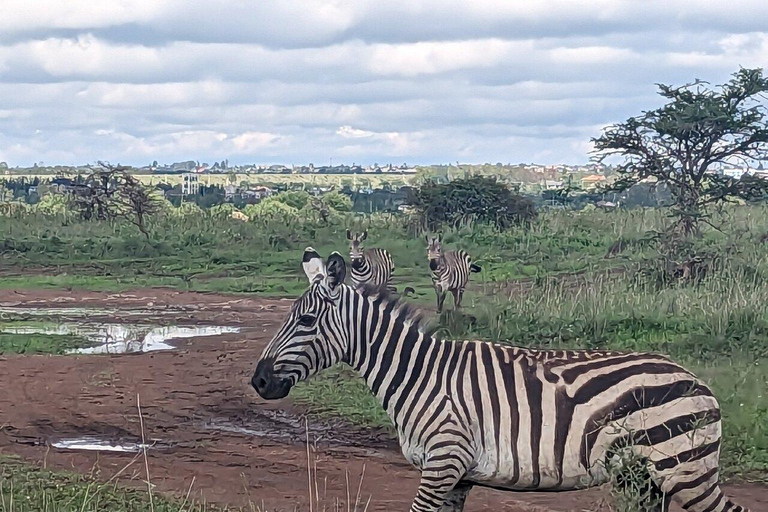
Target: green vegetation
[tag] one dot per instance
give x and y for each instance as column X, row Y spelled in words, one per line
column 566, row 279
column 28, row 488
column 39, row 343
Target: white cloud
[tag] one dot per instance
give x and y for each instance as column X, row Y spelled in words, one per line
column 353, row 133
column 304, row 80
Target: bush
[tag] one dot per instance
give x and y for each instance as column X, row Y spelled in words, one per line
column 53, row 205
column 271, row 210
column 222, row 211
column 185, row 210
column 479, row 199
column 296, row 199
column 337, row 201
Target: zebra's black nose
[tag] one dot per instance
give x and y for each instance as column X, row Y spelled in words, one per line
column 266, row 384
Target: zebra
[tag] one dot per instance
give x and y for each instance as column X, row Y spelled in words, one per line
column 450, row 271
column 369, row 266
column 472, row 413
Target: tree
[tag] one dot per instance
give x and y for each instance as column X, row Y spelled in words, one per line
column 477, row 198
column 110, row 192
column 685, row 142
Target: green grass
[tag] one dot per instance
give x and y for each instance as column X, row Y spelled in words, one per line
column 573, row 296
column 39, row 343
column 28, row 488
column 340, row 393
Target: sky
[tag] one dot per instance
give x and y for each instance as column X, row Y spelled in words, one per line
column 349, row 81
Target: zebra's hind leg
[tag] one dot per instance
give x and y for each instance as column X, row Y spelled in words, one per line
column 454, row 501
column 439, row 489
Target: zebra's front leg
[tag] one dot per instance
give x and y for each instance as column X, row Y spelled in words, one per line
column 440, row 299
column 440, row 489
column 458, row 294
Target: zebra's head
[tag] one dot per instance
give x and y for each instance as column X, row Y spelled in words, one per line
column 311, row 338
column 434, row 251
column 356, row 247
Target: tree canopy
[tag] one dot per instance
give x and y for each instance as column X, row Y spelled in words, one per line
column 477, row 198
column 686, row 143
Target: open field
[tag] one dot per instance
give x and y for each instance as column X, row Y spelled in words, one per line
column 550, row 284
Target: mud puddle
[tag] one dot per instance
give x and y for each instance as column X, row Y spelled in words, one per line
column 96, row 336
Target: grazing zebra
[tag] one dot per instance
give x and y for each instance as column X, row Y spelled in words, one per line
column 450, row 271
column 476, row 413
column 369, row 266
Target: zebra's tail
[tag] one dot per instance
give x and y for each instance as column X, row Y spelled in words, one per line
column 474, row 267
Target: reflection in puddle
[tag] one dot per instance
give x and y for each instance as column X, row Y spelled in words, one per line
column 97, row 444
column 82, row 312
column 120, row 338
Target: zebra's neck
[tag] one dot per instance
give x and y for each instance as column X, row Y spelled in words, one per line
column 386, row 344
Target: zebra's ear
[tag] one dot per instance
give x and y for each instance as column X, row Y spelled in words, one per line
column 336, row 269
column 349, row 235
column 313, row 265
column 365, row 235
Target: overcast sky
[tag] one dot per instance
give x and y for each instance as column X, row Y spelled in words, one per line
column 300, row 81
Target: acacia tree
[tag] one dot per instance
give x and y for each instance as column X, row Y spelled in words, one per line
column 110, row 192
column 686, row 141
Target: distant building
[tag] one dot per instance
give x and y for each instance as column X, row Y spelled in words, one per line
column 190, row 185
column 592, row 181
column 735, row 172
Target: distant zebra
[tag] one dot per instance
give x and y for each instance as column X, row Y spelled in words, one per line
column 475, row 413
column 450, row 271
column 369, row 266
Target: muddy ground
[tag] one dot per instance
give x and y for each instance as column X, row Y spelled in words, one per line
column 211, row 430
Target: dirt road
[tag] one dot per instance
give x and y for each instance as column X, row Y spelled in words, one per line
column 210, row 429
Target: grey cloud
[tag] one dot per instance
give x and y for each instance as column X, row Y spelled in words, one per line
column 484, row 81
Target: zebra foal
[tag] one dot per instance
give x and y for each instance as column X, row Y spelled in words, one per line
column 450, row 271
column 476, row 413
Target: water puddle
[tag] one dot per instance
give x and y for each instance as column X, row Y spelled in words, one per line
column 109, row 338
column 20, row 311
column 94, row 443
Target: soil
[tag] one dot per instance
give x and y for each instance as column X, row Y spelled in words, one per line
column 211, row 431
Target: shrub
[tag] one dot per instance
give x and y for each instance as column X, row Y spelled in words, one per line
column 53, row 205
column 272, row 210
column 222, row 211
column 479, row 198
column 337, row 201
column 296, row 199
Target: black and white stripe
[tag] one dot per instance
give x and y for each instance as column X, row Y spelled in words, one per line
column 450, row 271
column 372, row 266
column 476, row 413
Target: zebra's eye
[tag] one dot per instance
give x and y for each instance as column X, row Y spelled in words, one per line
column 307, row 320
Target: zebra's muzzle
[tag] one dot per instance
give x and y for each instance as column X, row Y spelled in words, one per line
column 266, row 384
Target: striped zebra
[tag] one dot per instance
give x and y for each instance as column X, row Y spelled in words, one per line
column 369, row 266
column 450, row 271
column 475, row 413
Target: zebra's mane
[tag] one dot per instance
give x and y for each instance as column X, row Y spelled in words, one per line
column 401, row 308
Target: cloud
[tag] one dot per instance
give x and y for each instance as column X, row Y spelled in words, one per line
column 306, row 80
